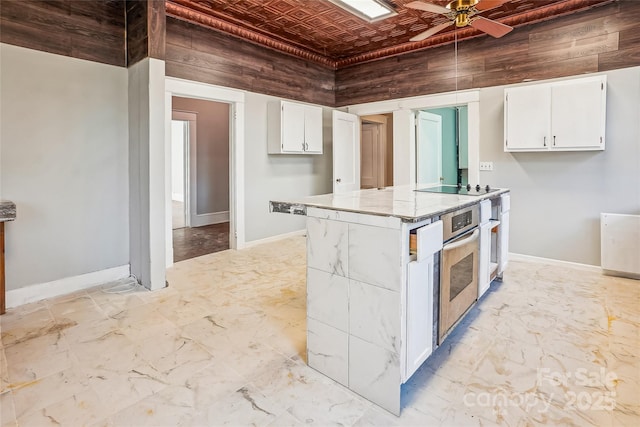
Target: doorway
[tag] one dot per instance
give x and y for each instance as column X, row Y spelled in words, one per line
column 200, row 140
column 442, row 146
column 376, row 151
column 428, row 148
column 404, row 129
column 183, row 132
column 178, row 207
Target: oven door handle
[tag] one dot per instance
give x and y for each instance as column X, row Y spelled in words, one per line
column 458, row 243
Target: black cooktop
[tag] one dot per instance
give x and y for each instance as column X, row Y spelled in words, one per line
column 460, row 190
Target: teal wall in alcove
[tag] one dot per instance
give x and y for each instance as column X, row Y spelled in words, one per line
column 449, row 152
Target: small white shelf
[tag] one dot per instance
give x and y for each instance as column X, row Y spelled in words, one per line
column 493, row 269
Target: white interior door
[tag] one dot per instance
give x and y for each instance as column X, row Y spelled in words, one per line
column 346, row 152
column 428, row 148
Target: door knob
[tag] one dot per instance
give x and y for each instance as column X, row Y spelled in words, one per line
column 338, row 180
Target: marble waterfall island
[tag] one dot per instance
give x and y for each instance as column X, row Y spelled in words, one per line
column 372, row 301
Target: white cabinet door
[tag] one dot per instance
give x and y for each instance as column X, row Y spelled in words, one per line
column 313, row 129
column 293, row 127
column 484, row 279
column 503, row 245
column 420, row 332
column 527, row 118
column 419, row 314
column 578, row 116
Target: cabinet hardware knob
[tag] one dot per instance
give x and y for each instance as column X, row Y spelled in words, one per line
column 544, row 141
column 338, row 180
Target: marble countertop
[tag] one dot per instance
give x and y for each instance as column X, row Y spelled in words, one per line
column 7, row 210
column 399, row 201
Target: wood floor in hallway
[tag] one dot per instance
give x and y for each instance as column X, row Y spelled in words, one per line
column 191, row 242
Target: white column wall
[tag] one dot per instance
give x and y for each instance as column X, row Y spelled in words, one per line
column 147, row 167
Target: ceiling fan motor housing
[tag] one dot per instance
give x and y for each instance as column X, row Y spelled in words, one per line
column 463, row 10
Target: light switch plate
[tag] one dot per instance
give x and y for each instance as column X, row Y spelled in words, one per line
column 486, row 166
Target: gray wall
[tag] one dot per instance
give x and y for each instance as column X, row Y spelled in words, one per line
column 212, row 160
column 557, row 198
column 64, row 137
column 279, row 176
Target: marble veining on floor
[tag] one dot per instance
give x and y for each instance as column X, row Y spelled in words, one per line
column 225, row 345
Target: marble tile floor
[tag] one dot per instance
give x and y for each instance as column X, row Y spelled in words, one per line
column 225, row 345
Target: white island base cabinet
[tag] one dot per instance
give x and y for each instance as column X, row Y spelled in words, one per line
column 364, row 330
column 373, row 295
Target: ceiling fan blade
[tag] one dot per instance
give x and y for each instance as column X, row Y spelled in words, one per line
column 493, row 28
column 430, row 32
column 489, row 4
column 428, row 7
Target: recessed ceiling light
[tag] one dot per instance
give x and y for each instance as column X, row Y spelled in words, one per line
column 369, row 10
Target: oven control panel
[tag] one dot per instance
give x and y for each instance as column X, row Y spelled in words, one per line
column 460, row 221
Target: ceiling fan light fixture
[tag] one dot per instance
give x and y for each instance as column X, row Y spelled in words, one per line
column 462, row 13
column 369, row 10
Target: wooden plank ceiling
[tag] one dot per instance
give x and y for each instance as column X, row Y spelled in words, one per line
column 319, row 31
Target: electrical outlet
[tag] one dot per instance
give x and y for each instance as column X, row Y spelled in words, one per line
column 486, row 166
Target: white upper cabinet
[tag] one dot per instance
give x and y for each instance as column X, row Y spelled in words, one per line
column 294, row 128
column 313, row 129
column 578, row 109
column 561, row 116
column 527, row 117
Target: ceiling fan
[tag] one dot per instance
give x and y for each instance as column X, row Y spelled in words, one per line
column 462, row 13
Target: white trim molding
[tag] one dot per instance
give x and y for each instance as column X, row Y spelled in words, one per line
column 550, row 261
column 200, row 220
column 197, row 90
column 275, row 238
column 41, row 291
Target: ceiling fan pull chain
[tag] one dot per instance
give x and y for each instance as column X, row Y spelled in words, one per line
column 455, row 34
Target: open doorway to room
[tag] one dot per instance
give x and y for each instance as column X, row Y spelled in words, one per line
column 200, row 139
column 376, row 151
column 442, row 146
column 183, row 132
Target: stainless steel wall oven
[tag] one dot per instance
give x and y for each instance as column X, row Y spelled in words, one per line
column 459, row 267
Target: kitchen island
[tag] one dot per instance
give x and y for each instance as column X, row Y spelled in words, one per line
column 372, row 294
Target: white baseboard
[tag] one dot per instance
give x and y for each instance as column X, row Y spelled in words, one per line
column 275, row 238
column 210, row 218
column 40, row 291
column 550, row 261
